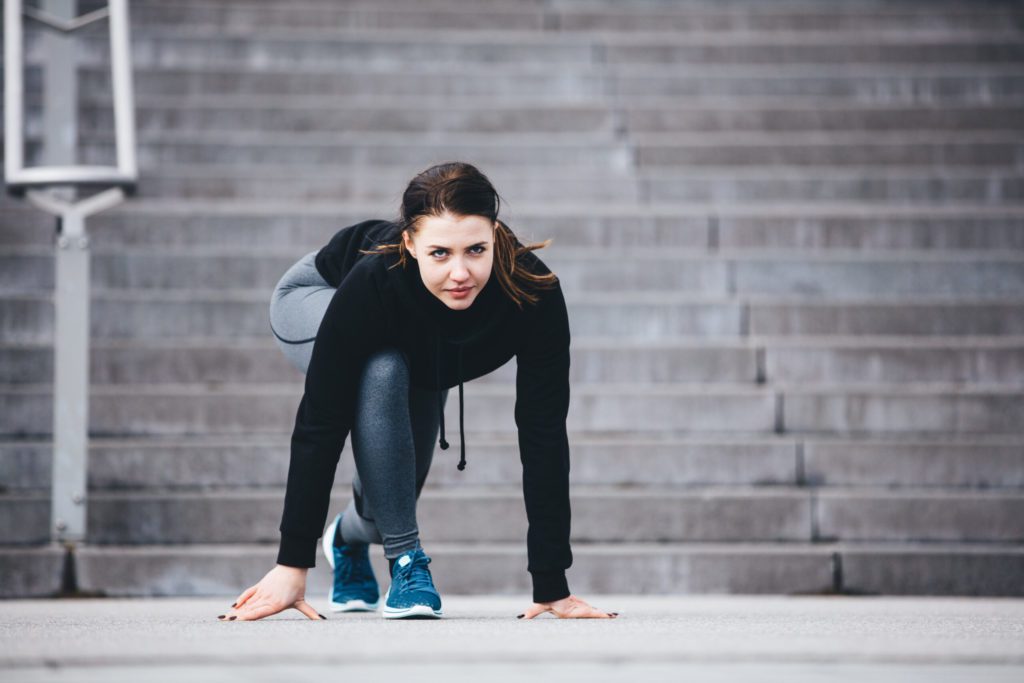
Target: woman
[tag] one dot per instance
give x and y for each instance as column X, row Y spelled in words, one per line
column 383, row 320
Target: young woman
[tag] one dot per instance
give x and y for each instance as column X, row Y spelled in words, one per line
column 383, row 320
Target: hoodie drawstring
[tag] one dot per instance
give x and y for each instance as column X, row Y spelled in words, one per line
column 440, row 406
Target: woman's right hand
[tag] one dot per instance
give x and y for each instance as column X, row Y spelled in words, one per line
column 282, row 588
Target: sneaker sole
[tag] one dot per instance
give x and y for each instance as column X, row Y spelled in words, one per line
column 327, row 541
column 354, row 606
column 414, row 612
column 327, row 544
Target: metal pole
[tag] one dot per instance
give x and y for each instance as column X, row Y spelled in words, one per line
column 71, row 382
column 13, row 115
column 71, row 294
column 121, row 80
column 61, row 175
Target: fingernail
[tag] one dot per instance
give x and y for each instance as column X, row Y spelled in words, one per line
column 232, row 618
column 520, row 616
column 321, row 616
column 220, row 616
column 234, row 604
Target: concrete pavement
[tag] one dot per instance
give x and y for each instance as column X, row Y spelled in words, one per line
column 701, row 638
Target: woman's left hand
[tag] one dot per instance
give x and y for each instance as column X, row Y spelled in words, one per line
column 567, row 608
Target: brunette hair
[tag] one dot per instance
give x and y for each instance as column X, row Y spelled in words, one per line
column 460, row 189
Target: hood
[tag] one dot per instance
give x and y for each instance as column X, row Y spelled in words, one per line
column 448, row 326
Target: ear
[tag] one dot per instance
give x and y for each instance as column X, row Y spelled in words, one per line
column 409, row 248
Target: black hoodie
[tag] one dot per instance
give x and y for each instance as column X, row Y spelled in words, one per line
column 376, row 307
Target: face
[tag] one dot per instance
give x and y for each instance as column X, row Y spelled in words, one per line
column 454, row 255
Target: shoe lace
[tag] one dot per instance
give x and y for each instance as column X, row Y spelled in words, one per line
column 415, row 575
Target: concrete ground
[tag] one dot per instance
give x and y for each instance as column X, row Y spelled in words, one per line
column 701, row 638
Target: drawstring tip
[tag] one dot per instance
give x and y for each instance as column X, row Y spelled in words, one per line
column 462, row 465
column 444, row 445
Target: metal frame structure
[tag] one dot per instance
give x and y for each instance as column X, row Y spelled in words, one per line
column 18, row 178
column 53, row 188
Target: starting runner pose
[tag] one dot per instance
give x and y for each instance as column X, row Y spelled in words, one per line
column 383, row 321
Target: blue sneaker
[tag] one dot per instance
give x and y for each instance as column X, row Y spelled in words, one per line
column 354, row 588
column 412, row 592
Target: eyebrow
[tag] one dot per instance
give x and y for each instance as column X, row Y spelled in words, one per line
column 438, row 246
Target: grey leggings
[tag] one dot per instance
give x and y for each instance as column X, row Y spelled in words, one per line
column 395, row 427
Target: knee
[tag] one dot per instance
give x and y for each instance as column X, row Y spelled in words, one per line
column 387, row 367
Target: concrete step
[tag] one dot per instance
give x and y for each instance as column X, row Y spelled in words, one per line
column 821, row 116
column 332, row 114
column 760, row 184
column 867, row 231
column 710, row 184
column 879, row 276
column 855, row 362
column 986, row 85
column 211, row 461
column 341, row 116
column 124, row 410
column 885, row 318
column 670, row 150
column 869, row 277
column 780, row 362
column 159, row 314
column 208, row 462
column 177, row 314
column 645, row 151
column 799, row 227
column 485, row 515
column 458, row 569
column 760, row 17
column 176, row 46
column 339, row 150
column 698, row 18
column 929, row 409
column 298, row 225
column 981, row 461
column 910, row 409
column 495, row 515
column 261, row 361
column 998, row 150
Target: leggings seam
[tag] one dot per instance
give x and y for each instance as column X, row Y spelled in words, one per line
column 289, row 341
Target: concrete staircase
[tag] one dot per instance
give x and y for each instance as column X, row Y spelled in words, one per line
column 791, row 236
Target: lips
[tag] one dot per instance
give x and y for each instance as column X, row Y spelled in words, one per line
column 460, row 291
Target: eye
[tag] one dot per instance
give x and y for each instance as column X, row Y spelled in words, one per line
column 476, row 249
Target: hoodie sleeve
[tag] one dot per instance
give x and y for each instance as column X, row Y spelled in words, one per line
column 542, row 405
column 351, row 329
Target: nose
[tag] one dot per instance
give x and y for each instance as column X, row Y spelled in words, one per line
column 459, row 272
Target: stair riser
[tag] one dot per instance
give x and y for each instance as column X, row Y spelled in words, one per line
column 188, row 366
column 31, row 320
column 479, row 520
column 567, row 118
column 896, row 571
column 25, row 466
column 458, row 519
column 158, row 50
column 566, row 85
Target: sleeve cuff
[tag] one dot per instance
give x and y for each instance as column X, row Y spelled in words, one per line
column 296, row 551
column 549, row 586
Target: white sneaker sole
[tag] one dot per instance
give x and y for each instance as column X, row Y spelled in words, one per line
column 327, row 544
column 414, row 611
column 327, row 541
column 353, row 606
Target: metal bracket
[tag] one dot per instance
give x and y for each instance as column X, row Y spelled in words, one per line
column 66, row 25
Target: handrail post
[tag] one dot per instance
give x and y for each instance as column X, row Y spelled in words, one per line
column 54, row 188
